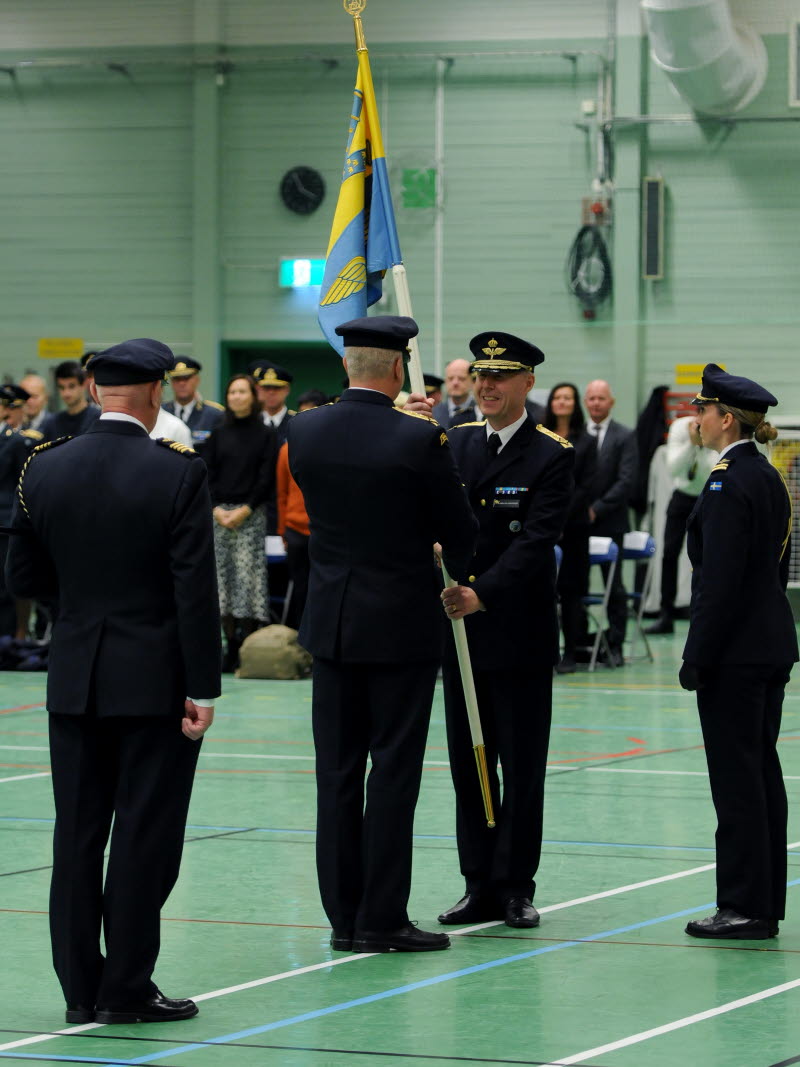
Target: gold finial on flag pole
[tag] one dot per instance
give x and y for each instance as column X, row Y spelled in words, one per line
column 354, row 8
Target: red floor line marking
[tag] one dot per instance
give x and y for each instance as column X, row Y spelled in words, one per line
column 22, row 707
column 27, row 766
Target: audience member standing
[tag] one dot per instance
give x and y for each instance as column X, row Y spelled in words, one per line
column 689, row 464
column 564, row 415
column 608, row 511
column 200, row 415
column 36, row 405
column 240, row 455
column 79, row 414
column 459, row 405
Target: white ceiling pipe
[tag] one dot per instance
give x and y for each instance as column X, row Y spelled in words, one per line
column 716, row 65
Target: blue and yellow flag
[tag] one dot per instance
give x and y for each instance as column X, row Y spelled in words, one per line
column 364, row 241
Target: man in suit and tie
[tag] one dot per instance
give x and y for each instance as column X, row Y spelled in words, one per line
column 608, row 513
column 381, row 488
column 134, row 670
column 459, row 405
column 518, row 476
column 200, row 415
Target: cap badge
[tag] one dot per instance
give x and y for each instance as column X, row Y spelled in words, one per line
column 493, row 349
column 270, row 375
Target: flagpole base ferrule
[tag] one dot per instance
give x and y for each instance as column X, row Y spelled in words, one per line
column 483, row 775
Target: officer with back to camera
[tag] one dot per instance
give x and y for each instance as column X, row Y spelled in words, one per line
column 134, row 670
column 381, row 488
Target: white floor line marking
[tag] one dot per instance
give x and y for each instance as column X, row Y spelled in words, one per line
column 281, row 756
column 366, row 955
column 636, row 770
column 23, row 777
column 24, row 748
column 667, row 1028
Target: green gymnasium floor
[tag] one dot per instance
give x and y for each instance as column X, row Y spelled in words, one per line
column 609, row 978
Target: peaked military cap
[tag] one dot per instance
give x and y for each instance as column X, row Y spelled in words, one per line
column 267, row 373
column 719, row 387
column 498, row 353
column 13, row 396
column 133, row 362
column 184, row 367
column 432, row 383
column 392, row 332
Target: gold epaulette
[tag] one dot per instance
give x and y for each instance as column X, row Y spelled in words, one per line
column 418, row 415
column 290, row 412
column 176, row 446
column 34, row 435
column 463, row 425
column 722, row 466
column 556, row 437
column 214, row 404
column 39, row 448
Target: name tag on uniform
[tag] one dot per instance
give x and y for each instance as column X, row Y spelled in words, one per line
column 508, row 496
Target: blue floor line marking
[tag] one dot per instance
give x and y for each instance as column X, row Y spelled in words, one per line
column 411, row 987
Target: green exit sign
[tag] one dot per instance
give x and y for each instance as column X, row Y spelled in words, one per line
column 300, row 273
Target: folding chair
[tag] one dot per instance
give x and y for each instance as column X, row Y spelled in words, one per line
column 276, row 558
column 602, row 550
column 640, row 546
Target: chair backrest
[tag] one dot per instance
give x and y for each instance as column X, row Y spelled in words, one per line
column 638, row 544
column 602, row 550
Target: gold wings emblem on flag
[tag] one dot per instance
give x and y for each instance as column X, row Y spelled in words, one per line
column 351, row 279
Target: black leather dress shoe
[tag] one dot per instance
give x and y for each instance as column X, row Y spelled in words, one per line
column 520, row 913
column 729, row 924
column 156, row 1009
column 77, row 1013
column 472, row 908
column 342, row 940
column 405, row 939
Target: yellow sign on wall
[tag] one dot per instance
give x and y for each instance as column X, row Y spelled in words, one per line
column 60, row 348
column 690, row 373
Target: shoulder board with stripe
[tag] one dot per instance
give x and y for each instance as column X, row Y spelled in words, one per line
column 175, row 446
column 34, row 435
column 463, row 425
column 213, row 404
column 418, row 415
column 723, row 466
column 290, row 412
column 39, row 448
column 556, row 437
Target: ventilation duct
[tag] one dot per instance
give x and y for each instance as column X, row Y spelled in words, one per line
column 717, row 66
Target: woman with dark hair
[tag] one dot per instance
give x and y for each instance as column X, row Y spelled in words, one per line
column 240, row 456
column 564, row 415
column 739, row 653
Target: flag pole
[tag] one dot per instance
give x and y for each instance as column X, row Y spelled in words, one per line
column 354, row 8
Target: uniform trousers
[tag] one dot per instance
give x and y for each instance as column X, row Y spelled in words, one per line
column 381, row 710
column 740, row 714
column 678, row 511
column 515, row 709
column 138, row 770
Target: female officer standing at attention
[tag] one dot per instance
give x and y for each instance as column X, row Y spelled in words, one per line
column 739, row 652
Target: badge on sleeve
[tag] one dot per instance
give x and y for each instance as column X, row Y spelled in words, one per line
column 715, row 486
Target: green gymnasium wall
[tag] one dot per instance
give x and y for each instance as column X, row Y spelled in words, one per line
column 121, row 219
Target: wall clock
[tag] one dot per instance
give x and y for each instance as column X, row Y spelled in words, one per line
column 302, row 190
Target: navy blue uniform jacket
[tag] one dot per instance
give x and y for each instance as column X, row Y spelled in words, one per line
column 380, row 487
column 118, row 527
column 521, row 499
column 203, row 419
column 737, row 539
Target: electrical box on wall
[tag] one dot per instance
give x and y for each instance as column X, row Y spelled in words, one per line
column 653, row 228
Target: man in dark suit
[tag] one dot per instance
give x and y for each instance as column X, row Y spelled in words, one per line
column 381, row 488
column 739, row 653
column 134, row 670
column 519, row 479
column 617, row 458
column 459, row 403
column 200, row 415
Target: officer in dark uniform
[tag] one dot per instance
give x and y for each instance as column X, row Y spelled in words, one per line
column 134, row 669
column 519, row 478
column 738, row 655
column 381, row 489
column 12, row 403
column 200, row 415
column 274, row 383
column 13, row 454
